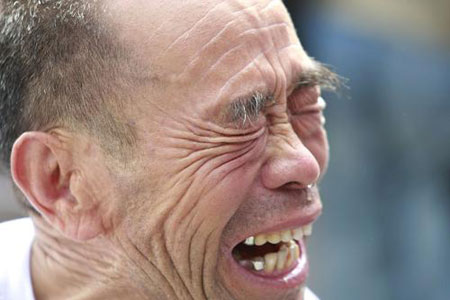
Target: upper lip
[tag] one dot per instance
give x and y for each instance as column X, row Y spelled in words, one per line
column 292, row 220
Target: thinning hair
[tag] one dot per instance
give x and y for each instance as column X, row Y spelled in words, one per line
column 60, row 67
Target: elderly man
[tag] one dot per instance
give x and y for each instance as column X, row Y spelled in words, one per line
column 164, row 149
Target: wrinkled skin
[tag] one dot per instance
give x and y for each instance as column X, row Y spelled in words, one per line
column 197, row 182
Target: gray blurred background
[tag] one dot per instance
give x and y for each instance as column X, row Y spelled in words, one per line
column 385, row 231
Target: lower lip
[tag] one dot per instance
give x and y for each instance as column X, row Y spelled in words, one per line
column 290, row 279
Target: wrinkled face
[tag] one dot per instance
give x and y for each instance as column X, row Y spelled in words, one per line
column 230, row 148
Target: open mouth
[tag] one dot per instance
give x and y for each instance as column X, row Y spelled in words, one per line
column 271, row 254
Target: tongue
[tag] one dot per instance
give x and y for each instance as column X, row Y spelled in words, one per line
column 243, row 251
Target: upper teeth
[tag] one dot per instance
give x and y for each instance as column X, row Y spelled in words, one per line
column 276, row 237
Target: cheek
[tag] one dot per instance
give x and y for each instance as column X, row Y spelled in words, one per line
column 202, row 189
column 225, row 178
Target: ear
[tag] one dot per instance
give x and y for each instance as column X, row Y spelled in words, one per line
column 42, row 167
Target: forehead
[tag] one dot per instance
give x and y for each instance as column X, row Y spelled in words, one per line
column 224, row 48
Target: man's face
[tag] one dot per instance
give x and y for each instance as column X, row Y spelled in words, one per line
column 228, row 146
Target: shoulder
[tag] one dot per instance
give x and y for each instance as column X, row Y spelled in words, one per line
column 309, row 295
column 16, row 238
column 15, row 234
column 24, row 224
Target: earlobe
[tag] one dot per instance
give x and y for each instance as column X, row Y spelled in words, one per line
column 43, row 170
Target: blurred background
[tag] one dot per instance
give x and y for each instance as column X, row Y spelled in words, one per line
column 385, row 231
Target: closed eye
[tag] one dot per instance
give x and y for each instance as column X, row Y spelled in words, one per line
column 307, row 120
column 317, row 107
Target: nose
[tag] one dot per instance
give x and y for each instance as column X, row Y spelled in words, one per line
column 290, row 164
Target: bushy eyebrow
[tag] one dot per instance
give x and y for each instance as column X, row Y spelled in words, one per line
column 321, row 76
column 245, row 109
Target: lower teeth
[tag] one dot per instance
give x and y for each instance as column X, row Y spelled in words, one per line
column 279, row 261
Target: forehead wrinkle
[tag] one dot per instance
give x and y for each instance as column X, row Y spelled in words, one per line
column 278, row 29
column 278, row 46
column 292, row 67
column 279, row 83
column 222, row 59
column 213, row 16
column 263, row 49
column 222, row 38
column 197, row 24
column 148, row 28
column 216, row 39
column 238, row 108
column 283, row 65
column 265, row 27
column 230, row 81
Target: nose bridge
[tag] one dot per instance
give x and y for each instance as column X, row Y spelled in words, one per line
column 289, row 162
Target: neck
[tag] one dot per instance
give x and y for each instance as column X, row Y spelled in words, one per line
column 65, row 269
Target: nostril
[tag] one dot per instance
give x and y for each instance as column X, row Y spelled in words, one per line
column 297, row 186
column 294, row 185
